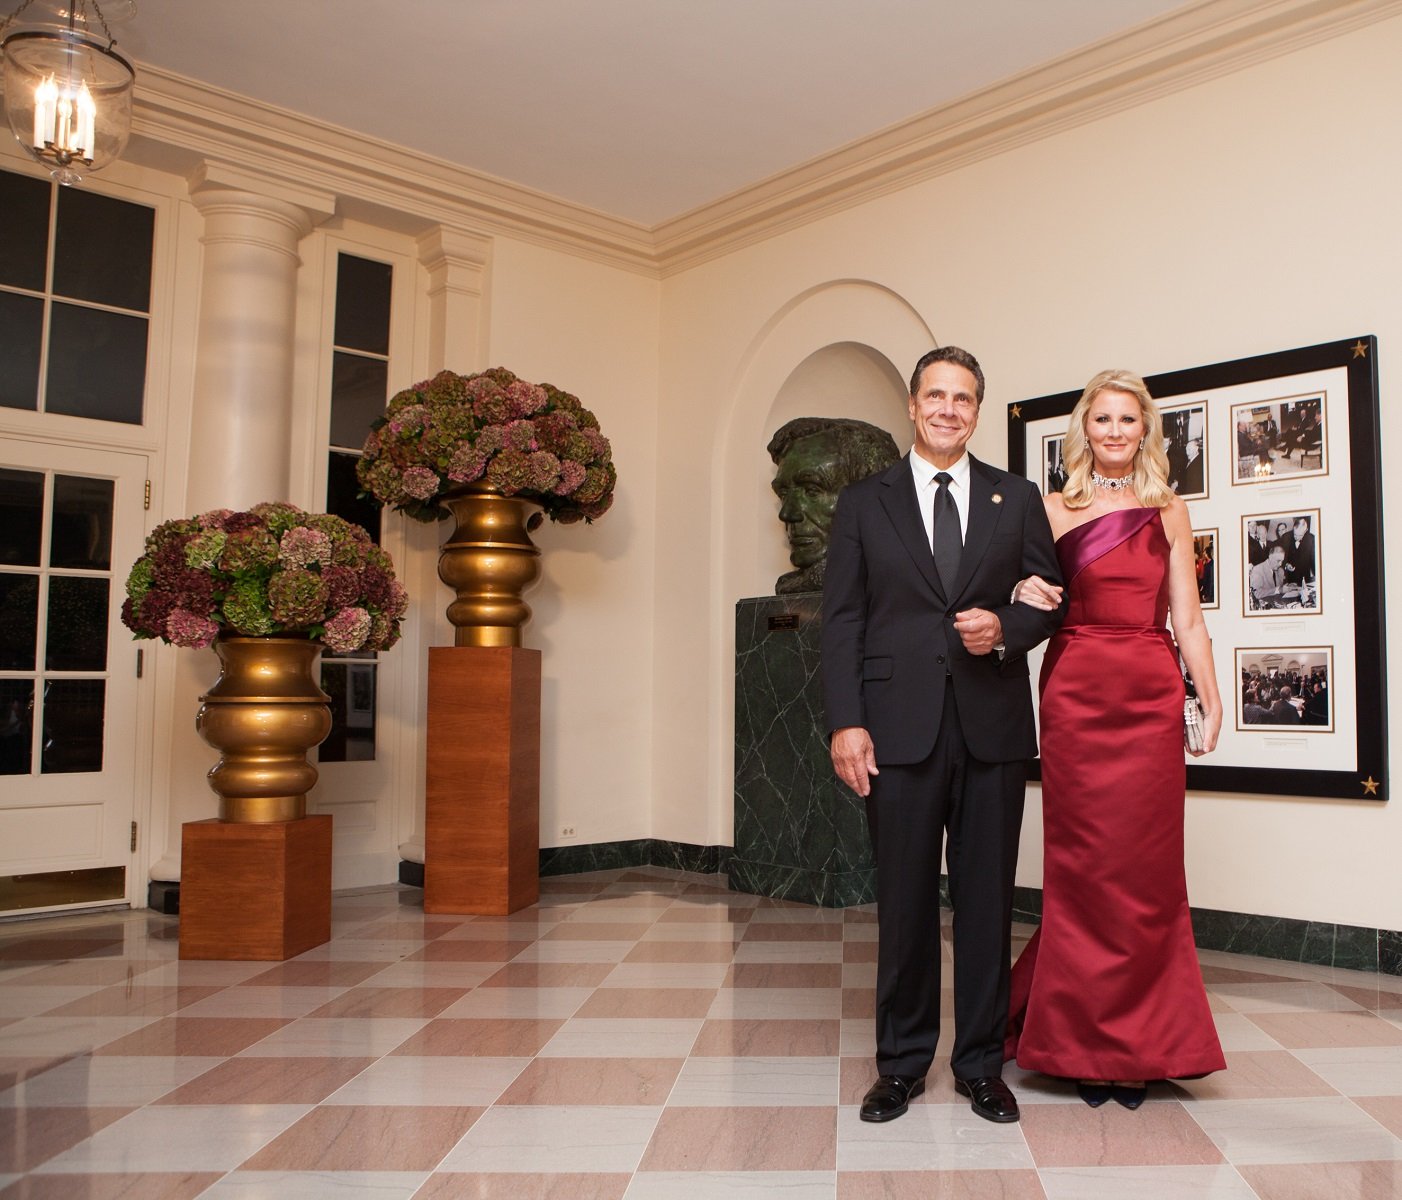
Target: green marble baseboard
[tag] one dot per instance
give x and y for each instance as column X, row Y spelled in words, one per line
column 643, row 852
column 827, row 889
column 1320, row 943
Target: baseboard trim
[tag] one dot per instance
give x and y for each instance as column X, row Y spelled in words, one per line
column 1287, row 939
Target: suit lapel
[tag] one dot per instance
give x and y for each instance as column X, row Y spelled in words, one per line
column 903, row 508
column 985, row 510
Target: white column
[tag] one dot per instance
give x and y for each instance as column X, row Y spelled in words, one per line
column 457, row 263
column 241, row 419
column 242, row 414
column 455, row 314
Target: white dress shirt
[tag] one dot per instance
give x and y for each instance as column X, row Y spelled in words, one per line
column 926, row 487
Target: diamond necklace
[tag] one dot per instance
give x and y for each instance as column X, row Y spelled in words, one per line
column 1113, row 485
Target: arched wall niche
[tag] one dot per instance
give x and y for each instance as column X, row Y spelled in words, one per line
column 840, row 348
column 847, row 379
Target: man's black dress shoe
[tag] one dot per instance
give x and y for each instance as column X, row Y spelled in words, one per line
column 1094, row 1094
column 890, row 1096
column 990, row 1097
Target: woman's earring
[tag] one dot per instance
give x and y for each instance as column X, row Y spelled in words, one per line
column 1141, row 443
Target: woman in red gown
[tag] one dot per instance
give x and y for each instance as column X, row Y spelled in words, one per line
column 1108, row 991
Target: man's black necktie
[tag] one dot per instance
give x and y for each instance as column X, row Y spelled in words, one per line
column 949, row 542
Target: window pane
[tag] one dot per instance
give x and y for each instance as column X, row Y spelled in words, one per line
column 341, row 498
column 21, row 327
column 362, row 304
column 103, row 250
column 358, row 393
column 82, row 523
column 21, row 517
column 76, row 638
column 19, row 620
column 97, row 364
column 351, row 687
column 74, row 710
column 16, row 723
column 25, row 203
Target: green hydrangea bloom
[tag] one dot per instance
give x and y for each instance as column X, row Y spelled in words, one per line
column 246, row 609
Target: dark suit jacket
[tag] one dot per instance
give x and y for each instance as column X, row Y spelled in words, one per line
column 888, row 627
column 1190, row 478
column 1300, row 555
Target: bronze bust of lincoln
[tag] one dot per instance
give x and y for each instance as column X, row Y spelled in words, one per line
column 817, row 457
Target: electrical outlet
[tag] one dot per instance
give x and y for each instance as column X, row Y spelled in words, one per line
column 567, row 831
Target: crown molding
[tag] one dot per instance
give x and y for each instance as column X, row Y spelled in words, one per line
column 179, row 122
column 1174, row 52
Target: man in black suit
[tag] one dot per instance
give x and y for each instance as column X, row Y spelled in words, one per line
column 1299, row 552
column 929, row 713
column 1190, row 480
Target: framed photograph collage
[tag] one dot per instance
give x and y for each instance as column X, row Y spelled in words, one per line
column 1278, row 459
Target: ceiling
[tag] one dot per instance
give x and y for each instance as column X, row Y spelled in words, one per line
column 641, row 109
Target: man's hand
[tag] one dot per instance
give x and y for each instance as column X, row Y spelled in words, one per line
column 854, row 758
column 979, row 629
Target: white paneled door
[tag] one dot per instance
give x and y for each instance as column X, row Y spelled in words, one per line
column 71, row 525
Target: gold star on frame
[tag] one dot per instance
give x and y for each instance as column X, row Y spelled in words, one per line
column 1370, row 786
column 1016, row 412
column 1360, row 349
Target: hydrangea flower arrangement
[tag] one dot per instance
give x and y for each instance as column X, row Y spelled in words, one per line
column 273, row 569
column 524, row 439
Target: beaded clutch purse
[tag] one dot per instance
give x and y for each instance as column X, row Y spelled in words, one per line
column 1192, row 725
column 1192, row 712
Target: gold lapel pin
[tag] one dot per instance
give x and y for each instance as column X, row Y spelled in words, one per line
column 997, row 497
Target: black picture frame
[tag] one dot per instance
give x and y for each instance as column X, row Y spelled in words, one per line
column 1354, row 520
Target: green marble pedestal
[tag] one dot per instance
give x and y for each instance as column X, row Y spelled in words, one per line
column 799, row 833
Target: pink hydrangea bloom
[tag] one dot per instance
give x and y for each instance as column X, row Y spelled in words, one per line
column 398, row 599
column 190, row 630
column 420, row 482
column 347, row 630
column 571, row 476
column 301, row 547
column 408, row 420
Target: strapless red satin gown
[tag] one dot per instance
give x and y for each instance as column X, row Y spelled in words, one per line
column 1109, row 986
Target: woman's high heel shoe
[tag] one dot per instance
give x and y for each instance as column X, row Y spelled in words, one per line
column 1129, row 1097
column 1094, row 1094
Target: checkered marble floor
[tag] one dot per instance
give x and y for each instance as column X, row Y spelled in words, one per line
column 641, row 1034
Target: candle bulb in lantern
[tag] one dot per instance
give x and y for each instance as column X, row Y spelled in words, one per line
column 45, row 104
column 87, row 120
column 63, row 130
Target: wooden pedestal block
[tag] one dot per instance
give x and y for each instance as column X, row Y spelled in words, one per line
column 482, row 820
column 260, row 892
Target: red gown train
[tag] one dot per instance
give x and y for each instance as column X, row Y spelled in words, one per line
column 1109, row 986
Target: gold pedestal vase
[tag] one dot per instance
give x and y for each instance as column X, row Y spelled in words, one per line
column 263, row 714
column 489, row 560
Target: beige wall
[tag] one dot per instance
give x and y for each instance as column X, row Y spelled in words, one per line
column 1249, row 214
column 592, row 330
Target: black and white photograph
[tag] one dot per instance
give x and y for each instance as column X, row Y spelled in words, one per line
column 1303, row 424
column 1283, row 439
column 1285, row 688
column 1185, row 440
column 1053, row 466
column 1205, row 564
column 1280, row 563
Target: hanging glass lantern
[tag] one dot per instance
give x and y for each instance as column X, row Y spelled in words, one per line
column 68, row 93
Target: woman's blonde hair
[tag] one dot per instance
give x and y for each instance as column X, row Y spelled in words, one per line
column 1150, row 460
